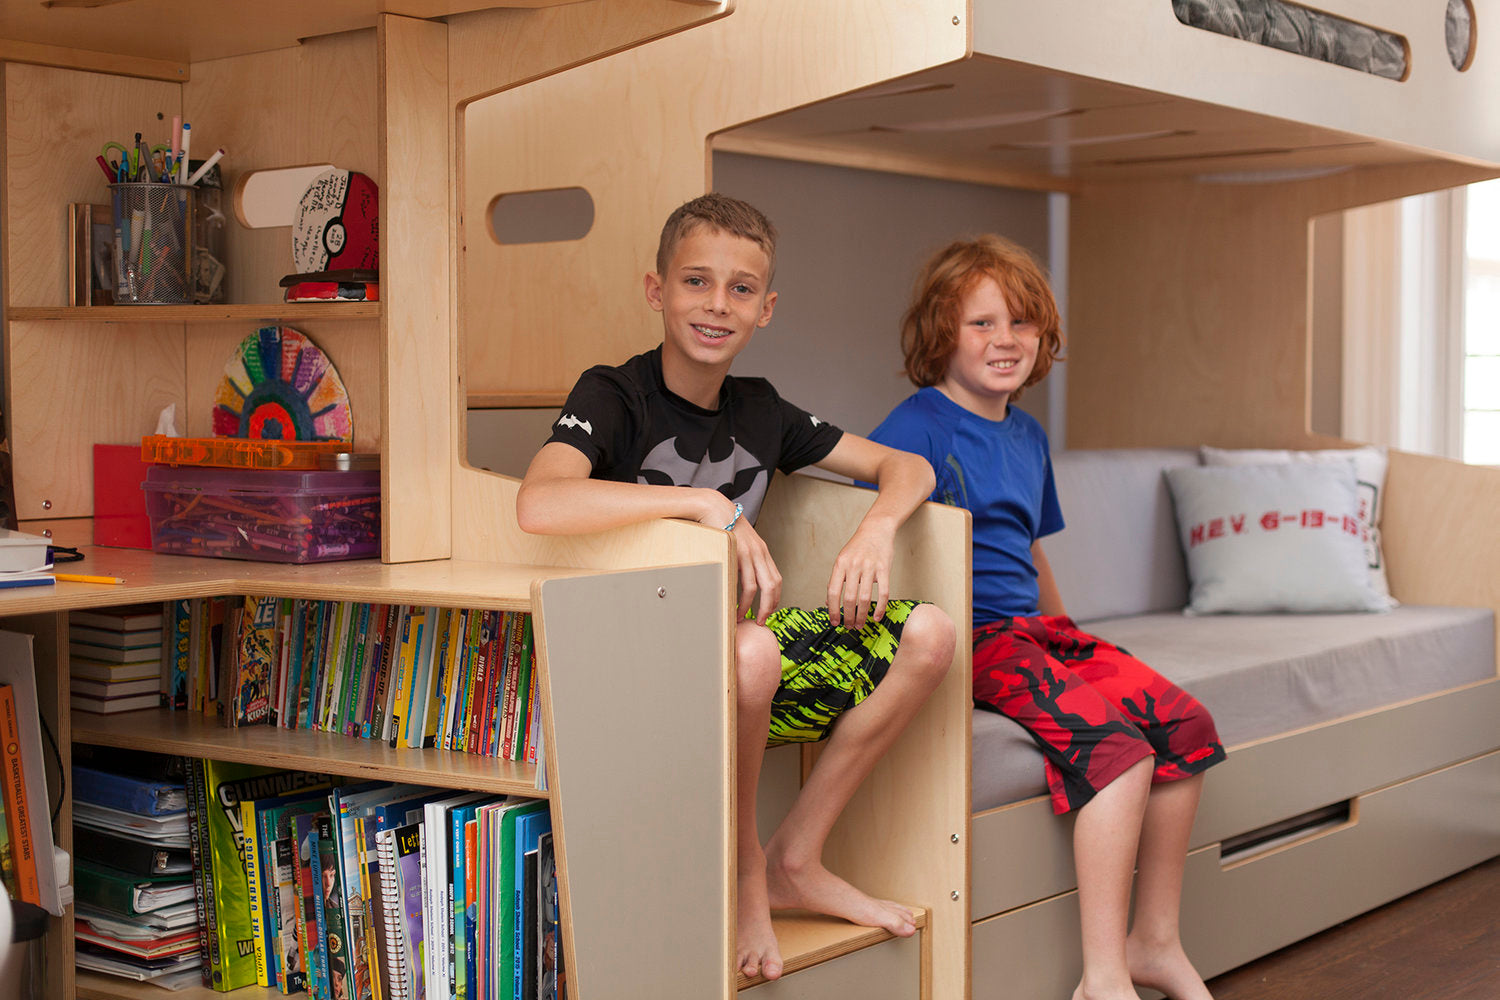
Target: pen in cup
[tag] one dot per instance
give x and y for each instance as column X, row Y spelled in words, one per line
column 205, row 166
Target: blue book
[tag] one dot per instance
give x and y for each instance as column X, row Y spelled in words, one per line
column 142, row 796
column 408, row 809
column 305, row 830
column 458, row 904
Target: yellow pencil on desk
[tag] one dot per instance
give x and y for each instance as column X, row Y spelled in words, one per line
column 83, row 578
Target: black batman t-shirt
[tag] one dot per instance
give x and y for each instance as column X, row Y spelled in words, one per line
column 633, row 429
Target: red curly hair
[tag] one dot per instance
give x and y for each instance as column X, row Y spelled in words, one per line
column 929, row 330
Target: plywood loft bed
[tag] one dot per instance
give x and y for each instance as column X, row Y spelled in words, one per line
column 1195, row 162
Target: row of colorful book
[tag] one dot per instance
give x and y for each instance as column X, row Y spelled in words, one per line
column 233, row 874
column 134, row 907
column 371, row 891
column 452, row 678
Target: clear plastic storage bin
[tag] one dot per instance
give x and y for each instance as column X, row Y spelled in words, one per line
column 296, row 517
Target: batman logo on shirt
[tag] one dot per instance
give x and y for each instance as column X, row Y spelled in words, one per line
column 739, row 475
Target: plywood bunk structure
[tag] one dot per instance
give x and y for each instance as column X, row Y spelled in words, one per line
column 449, row 107
column 1194, row 164
column 629, row 620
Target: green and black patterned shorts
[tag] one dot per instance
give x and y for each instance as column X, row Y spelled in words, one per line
column 826, row 670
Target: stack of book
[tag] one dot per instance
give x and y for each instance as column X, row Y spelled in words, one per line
column 25, row 560
column 373, row 890
column 135, row 912
column 116, row 657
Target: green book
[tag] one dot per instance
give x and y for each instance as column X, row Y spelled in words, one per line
column 226, row 785
column 506, row 877
column 129, row 894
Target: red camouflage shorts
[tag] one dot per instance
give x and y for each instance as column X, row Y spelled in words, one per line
column 1092, row 708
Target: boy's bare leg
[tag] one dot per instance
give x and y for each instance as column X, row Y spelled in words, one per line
column 795, row 872
column 758, row 674
column 1104, row 847
column 1154, row 948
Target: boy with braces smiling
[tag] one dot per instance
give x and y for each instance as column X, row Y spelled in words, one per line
column 671, row 434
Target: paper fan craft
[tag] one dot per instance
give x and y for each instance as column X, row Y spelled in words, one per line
column 280, row 386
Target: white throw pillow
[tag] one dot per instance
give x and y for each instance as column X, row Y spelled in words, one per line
column 1370, row 463
column 1268, row 538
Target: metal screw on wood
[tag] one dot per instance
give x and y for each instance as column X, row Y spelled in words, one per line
column 46, row 505
column 661, row 591
column 954, row 838
column 954, row 895
column 955, row 20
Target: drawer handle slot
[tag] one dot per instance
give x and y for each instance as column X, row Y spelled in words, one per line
column 1243, row 847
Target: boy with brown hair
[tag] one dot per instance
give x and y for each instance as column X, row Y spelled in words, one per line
column 671, row 433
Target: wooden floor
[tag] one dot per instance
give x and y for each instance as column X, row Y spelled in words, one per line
column 1442, row 943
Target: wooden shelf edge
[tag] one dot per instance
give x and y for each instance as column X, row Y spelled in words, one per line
column 456, row 583
column 195, row 735
column 100, row 986
column 515, row 400
column 809, row 939
column 235, row 313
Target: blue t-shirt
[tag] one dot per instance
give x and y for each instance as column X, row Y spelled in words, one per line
column 1001, row 472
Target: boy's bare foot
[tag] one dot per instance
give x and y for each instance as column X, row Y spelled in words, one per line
column 1165, row 968
column 1118, row 993
column 813, row 887
column 756, row 951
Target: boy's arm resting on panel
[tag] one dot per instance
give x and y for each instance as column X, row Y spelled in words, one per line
column 861, row 573
column 557, row 497
column 1049, row 597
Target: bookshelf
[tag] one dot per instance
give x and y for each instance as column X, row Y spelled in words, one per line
column 195, row 735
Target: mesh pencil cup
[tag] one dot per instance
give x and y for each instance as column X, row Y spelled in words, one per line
column 153, row 243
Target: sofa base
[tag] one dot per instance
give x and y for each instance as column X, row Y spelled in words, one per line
column 1397, row 839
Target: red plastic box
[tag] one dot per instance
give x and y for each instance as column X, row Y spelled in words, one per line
column 119, row 505
column 296, row 517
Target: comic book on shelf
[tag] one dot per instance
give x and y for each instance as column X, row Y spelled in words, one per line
column 255, row 658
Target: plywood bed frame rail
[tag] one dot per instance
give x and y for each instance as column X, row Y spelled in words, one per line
column 1439, row 534
column 1142, row 44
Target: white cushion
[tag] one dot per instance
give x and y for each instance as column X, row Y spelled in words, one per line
column 1370, row 463
column 1262, row 538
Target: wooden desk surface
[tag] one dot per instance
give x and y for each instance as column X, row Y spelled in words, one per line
column 150, row 577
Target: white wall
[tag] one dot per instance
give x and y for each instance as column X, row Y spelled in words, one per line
column 850, row 245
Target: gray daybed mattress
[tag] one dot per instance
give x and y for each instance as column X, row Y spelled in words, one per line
column 1266, row 674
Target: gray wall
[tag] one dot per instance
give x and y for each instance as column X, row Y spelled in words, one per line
column 851, row 242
